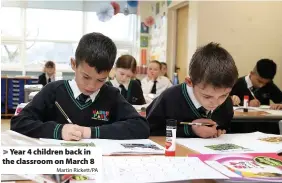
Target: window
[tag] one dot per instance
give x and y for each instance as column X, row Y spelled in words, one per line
column 10, row 53
column 10, row 22
column 31, row 36
column 57, row 52
column 54, row 24
column 119, row 28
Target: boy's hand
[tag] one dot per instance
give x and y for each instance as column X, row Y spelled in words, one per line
column 276, row 106
column 71, row 132
column 86, row 132
column 219, row 132
column 204, row 131
column 236, row 100
column 254, row 103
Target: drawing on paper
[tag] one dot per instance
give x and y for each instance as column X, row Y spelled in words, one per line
column 272, row 139
column 258, row 167
column 142, row 146
column 226, row 147
column 79, row 144
column 262, row 167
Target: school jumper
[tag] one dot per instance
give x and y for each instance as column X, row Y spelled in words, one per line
column 132, row 91
column 179, row 103
column 268, row 92
column 108, row 114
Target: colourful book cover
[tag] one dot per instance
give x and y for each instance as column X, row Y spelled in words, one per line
column 253, row 167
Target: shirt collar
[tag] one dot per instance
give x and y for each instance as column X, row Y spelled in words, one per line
column 192, row 97
column 77, row 92
column 248, row 81
column 116, row 84
column 158, row 79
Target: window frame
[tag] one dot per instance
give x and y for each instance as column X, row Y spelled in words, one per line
column 21, row 40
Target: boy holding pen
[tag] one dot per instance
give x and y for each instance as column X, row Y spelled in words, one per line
column 84, row 107
column 258, row 85
column 203, row 98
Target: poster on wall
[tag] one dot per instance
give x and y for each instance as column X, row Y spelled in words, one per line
column 144, row 56
column 157, row 8
column 144, row 41
column 144, row 28
column 168, row 2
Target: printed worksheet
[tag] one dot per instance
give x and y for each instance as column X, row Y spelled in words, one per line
column 159, row 169
column 235, row 143
column 114, row 147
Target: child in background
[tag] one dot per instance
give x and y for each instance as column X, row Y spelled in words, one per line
column 154, row 84
column 95, row 110
column 164, row 69
column 49, row 73
column 203, row 98
column 130, row 89
column 258, row 85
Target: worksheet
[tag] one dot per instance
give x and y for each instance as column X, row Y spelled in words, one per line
column 159, row 169
column 235, row 143
column 114, row 147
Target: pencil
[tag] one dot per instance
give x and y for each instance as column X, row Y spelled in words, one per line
column 63, row 112
column 252, row 93
column 198, row 124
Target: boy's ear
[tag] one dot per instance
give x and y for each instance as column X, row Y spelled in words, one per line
column 73, row 64
column 188, row 81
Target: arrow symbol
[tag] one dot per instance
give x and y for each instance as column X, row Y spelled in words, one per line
column 5, row 152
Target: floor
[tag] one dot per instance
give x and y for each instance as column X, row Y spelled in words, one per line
column 5, row 124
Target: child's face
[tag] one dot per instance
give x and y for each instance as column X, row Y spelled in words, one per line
column 123, row 75
column 208, row 96
column 87, row 78
column 50, row 71
column 164, row 70
column 153, row 70
column 258, row 81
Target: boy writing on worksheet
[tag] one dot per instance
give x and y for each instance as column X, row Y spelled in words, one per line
column 202, row 99
column 95, row 109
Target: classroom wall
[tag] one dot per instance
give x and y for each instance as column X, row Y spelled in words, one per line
column 249, row 30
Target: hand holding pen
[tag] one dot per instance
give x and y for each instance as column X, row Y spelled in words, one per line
column 255, row 102
column 70, row 131
column 205, row 128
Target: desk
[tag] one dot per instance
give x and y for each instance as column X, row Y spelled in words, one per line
column 263, row 121
column 180, row 151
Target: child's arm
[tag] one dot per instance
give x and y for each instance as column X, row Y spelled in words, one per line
column 128, row 123
column 31, row 120
column 141, row 99
column 224, row 114
column 157, row 116
column 275, row 94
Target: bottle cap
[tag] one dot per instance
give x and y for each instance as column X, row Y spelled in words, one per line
column 171, row 122
column 246, row 97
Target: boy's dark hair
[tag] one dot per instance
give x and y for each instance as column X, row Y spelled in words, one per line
column 157, row 62
column 49, row 64
column 97, row 51
column 126, row 62
column 265, row 68
column 213, row 65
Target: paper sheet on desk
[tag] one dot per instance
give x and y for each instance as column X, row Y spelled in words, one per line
column 233, row 143
column 159, row 169
column 10, row 137
column 109, row 147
